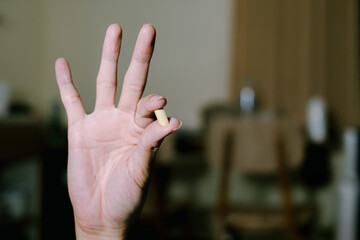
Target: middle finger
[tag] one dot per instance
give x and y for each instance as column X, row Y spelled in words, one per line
column 135, row 78
column 106, row 80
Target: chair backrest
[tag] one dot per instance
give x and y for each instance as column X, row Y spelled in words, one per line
column 254, row 140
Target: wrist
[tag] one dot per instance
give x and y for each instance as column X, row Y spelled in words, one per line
column 99, row 233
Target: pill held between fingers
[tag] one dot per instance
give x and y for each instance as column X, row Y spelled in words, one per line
column 161, row 117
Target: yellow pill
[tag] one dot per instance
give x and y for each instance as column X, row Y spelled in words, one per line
column 161, row 117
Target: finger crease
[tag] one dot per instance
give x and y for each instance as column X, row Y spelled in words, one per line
column 71, row 99
column 107, row 84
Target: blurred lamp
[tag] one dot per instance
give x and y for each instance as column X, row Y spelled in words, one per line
column 316, row 122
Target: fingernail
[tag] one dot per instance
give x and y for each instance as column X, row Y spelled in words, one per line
column 178, row 126
column 146, row 26
column 156, row 98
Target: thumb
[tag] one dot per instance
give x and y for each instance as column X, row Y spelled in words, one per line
column 148, row 145
column 154, row 133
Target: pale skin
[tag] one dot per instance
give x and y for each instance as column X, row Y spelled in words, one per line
column 111, row 149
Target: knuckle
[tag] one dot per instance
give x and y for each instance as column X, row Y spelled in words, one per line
column 70, row 99
column 107, row 84
column 133, row 86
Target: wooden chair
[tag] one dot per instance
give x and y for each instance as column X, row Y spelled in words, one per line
column 257, row 147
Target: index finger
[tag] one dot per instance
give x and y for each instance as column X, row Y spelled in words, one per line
column 135, row 78
column 69, row 95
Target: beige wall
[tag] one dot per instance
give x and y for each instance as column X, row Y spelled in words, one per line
column 21, row 28
column 189, row 67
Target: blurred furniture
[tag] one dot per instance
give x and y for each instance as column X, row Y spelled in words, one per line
column 260, row 148
column 295, row 49
column 21, row 152
column 348, row 188
column 170, row 210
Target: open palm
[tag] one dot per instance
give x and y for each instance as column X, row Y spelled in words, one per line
column 110, row 150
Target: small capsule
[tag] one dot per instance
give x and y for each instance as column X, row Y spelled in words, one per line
column 161, row 117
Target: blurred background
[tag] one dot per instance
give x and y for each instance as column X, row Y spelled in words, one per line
column 268, row 91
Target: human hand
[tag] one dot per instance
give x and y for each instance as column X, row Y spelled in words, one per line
column 111, row 149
